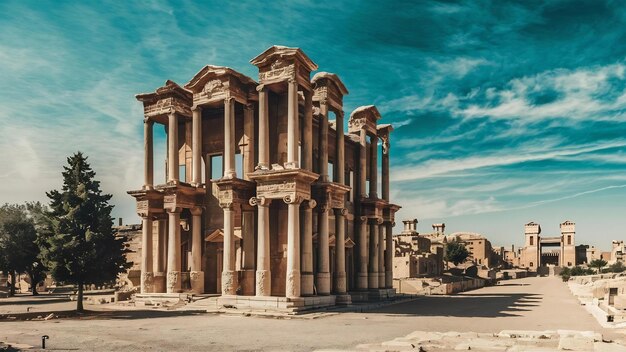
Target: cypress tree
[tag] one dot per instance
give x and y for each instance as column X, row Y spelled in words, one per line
column 82, row 247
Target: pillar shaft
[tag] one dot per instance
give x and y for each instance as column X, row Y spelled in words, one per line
column 323, row 261
column 306, row 242
column 307, row 132
column 385, row 173
column 264, row 129
column 149, row 154
column 248, row 152
column 196, row 276
column 340, row 252
column 263, row 274
column 146, row 255
column 229, row 138
column 323, row 142
column 374, row 167
column 293, row 133
column 339, row 173
column 173, row 252
column 363, row 256
column 373, row 257
column 381, row 255
column 229, row 276
column 196, row 145
column 389, row 253
column 363, row 163
column 172, row 148
column 292, row 286
column 160, row 258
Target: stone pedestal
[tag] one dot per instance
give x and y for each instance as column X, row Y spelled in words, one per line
column 173, row 282
column 158, row 282
column 323, row 283
column 246, row 280
column 147, row 282
column 197, row 281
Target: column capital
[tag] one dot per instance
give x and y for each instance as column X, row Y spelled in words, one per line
column 293, row 200
column 196, row 211
column 249, row 107
column 363, row 218
column 228, row 99
column 385, row 144
column 148, row 121
column 341, row 211
column 311, row 203
column 260, row 87
column 195, row 107
column 292, row 80
column 174, row 210
column 260, row 201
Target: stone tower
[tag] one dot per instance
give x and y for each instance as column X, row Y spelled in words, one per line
column 530, row 253
column 568, row 243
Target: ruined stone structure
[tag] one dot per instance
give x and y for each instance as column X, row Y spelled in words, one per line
column 249, row 208
column 415, row 255
column 533, row 255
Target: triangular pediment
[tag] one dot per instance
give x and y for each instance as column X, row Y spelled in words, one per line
column 330, row 80
column 209, row 73
column 169, row 89
column 364, row 117
column 277, row 52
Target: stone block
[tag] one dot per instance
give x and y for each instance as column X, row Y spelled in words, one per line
column 576, row 343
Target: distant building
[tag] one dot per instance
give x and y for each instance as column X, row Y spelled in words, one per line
column 536, row 251
column 415, row 255
column 617, row 252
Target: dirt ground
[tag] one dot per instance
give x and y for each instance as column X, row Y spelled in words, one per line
column 542, row 303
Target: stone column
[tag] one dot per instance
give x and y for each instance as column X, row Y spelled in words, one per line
column 160, row 257
column 172, row 148
column 147, row 276
column 363, row 162
column 229, row 138
column 263, row 274
column 385, row 166
column 323, row 261
column 264, row 129
column 339, row 171
column 292, row 286
column 372, row 278
column 247, row 232
column 293, row 132
column 389, row 255
column 248, row 132
column 362, row 283
column 323, row 142
column 149, row 154
column 196, row 145
column 307, row 132
column 381, row 255
column 229, row 275
column 340, row 251
column 196, row 275
column 173, row 251
column 374, row 167
column 306, row 241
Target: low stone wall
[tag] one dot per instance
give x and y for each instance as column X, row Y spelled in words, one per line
column 432, row 286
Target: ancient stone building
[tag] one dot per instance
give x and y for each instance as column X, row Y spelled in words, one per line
column 415, row 255
column 542, row 251
column 267, row 200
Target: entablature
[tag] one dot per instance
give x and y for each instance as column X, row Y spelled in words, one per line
column 291, row 185
column 364, row 117
column 213, row 84
column 171, row 98
column 328, row 87
column 281, row 63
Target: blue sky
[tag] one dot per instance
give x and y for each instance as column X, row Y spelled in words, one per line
column 505, row 111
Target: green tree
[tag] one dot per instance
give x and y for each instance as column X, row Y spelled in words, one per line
column 597, row 263
column 456, row 252
column 81, row 247
column 617, row 267
column 18, row 246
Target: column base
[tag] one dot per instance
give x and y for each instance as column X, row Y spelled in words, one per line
column 307, row 284
column 361, row 283
column 158, row 282
column 381, row 279
column 388, row 279
column 340, row 283
column 372, row 281
column 323, row 284
column 197, row 281
column 292, row 287
column 263, row 283
column 247, row 282
column 343, row 299
column 173, row 282
column 147, row 280
column 229, row 282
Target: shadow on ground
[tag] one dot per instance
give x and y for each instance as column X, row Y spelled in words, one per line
column 465, row 305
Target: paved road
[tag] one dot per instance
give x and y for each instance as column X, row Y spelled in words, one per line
column 528, row 304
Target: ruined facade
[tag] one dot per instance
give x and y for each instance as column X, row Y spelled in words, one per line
column 415, row 255
column 536, row 251
column 249, row 207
